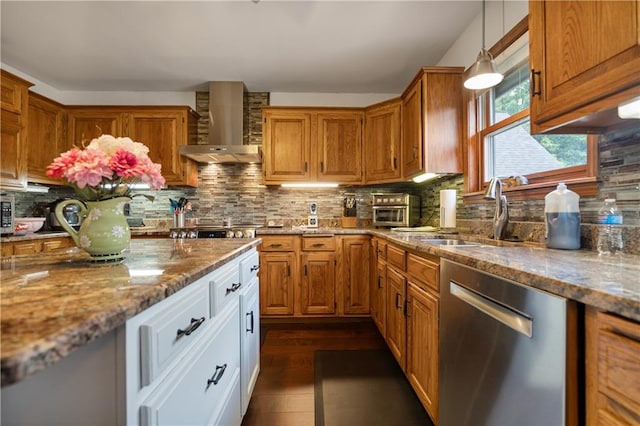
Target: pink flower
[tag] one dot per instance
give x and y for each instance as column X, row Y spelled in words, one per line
column 124, row 163
column 61, row 164
column 89, row 169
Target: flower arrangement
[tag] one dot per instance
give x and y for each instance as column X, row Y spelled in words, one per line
column 106, row 168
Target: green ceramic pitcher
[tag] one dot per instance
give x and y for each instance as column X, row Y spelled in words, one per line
column 104, row 232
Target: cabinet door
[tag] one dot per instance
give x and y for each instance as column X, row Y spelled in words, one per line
column 585, row 57
column 355, row 274
column 162, row 132
column 27, row 247
column 13, row 135
column 286, row 146
column 277, row 271
column 396, row 324
column 382, row 143
column 13, row 158
column 412, row 130
column 318, row 288
column 422, row 346
column 46, row 136
column 56, row 243
column 339, row 146
column 85, row 124
column 249, row 341
column 379, row 298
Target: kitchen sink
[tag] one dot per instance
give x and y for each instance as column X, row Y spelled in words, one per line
column 449, row 242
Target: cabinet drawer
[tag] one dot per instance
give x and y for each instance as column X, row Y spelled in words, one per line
column 197, row 389
column 619, row 361
column 278, row 243
column 249, row 268
column 423, row 271
column 319, row 243
column 165, row 336
column 396, row 257
column 224, row 287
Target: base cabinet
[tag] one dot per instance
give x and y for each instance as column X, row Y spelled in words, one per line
column 612, row 369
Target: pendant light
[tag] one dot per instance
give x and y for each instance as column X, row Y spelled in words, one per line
column 483, row 73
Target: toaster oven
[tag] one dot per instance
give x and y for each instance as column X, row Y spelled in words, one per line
column 396, row 210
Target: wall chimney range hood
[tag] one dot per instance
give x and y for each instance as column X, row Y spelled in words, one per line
column 226, row 115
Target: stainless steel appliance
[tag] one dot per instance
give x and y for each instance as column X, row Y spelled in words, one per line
column 8, row 204
column 395, row 209
column 503, row 352
column 238, row 231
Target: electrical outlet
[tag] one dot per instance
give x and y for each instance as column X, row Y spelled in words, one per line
column 312, row 222
column 313, row 208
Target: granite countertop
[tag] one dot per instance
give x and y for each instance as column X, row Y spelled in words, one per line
column 53, row 303
column 611, row 283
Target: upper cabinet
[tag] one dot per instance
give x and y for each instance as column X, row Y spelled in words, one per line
column 162, row 129
column 46, row 130
column 15, row 111
column 382, row 142
column 306, row 144
column 585, row 61
column 432, row 122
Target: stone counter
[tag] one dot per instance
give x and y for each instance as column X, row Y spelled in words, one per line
column 53, row 303
column 609, row 283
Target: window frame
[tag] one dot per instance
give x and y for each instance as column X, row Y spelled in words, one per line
column 582, row 179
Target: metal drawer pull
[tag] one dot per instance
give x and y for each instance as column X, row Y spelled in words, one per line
column 398, row 295
column 318, row 245
column 254, row 268
column 195, row 323
column 251, row 323
column 275, row 245
column 500, row 312
column 217, row 375
column 233, row 288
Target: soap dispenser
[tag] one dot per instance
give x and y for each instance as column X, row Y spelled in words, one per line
column 562, row 218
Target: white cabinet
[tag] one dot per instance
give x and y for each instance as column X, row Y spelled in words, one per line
column 249, row 340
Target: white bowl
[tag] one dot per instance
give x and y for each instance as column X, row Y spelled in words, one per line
column 27, row 225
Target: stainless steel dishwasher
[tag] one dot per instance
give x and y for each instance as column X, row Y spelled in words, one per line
column 503, row 352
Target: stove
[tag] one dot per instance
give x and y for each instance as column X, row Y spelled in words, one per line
column 239, row 231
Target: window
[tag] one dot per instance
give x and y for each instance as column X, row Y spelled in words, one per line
column 504, row 145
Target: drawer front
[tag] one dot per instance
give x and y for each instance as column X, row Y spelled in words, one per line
column 381, row 249
column 224, row 287
column 396, row 257
column 278, row 243
column 229, row 414
column 164, row 337
column 249, row 268
column 324, row 243
column 198, row 389
column 423, row 271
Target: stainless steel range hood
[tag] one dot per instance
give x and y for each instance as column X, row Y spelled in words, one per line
column 226, row 115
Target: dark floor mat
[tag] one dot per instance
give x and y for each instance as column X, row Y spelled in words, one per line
column 364, row 387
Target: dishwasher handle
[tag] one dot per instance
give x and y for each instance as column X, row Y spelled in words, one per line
column 497, row 311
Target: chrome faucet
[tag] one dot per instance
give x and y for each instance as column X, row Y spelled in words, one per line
column 501, row 215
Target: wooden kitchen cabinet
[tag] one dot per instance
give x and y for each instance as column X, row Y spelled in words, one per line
column 278, row 274
column 432, row 122
column 318, row 275
column 612, row 369
column 339, row 146
column 162, row 129
column 353, row 273
column 13, row 133
column 36, row 245
column 379, row 297
column 382, row 142
column 423, row 301
column 311, row 144
column 47, row 137
column 396, row 328
column 584, row 57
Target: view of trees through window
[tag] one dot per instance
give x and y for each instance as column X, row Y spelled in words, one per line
column 507, row 145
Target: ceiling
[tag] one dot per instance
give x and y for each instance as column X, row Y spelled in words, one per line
column 273, row 46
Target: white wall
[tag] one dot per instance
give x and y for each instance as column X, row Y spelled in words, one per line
column 76, row 97
column 465, row 49
column 328, row 99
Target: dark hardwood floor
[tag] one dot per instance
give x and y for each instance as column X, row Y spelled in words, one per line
column 283, row 395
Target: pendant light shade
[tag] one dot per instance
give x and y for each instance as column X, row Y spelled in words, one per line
column 483, row 73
